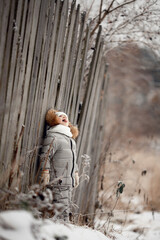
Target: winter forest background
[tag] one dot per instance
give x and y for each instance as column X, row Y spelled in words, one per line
column 113, row 79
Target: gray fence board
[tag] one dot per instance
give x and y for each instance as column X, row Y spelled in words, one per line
column 72, row 61
column 4, row 75
column 34, row 83
column 84, row 117
column 48, row 80
column 67, row 60
column 45, row 60
column 7, row 149
column 81, row 71
column 94, row 99
column 1, row 16
column 41, row 54
column 88, row 117
column 74, row 87
column 26, row 62
column 58, row 53
column 16, row 91
column 37, row 123
column 4, row 14
column 95, row 133
column 31, row 61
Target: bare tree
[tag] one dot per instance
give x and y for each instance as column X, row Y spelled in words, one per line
column 126, row 21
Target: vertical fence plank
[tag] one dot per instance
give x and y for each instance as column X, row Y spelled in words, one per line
column 11, row 138
column 48, row 80
column 36, row 118
column 4, row 15
column 5, row 59
column 66, row 63
column 72, row 62
column 63, row 15
column 23, row 83
column 96, row 132
column 7, row 149
column 95, row 98
column 1, row 18
column 81, row 72
column 34, row 82
column 88, row 117
column 75, row 87
column 27, row 53
column 84, row 117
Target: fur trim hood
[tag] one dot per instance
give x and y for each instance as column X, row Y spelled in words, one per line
column 52, row 120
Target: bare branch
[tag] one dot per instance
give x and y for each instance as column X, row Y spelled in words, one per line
column 122, row 25
column 100, row 11
column 90, row 8
column 110, row 5
column 122, row 5
column 108, row 11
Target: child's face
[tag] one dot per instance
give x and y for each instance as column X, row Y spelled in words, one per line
column 64, row 120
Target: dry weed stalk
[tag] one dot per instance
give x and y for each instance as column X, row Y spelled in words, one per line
column 45, row 158
column 14, row 165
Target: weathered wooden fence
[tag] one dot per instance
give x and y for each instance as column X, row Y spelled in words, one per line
column 43, row 59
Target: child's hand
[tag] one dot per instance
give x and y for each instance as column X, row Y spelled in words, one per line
column 76, row 179
column 45, row 177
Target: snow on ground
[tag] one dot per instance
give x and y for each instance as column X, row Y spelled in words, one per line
column 132, row 226
column 18, row 225
column 144, row 226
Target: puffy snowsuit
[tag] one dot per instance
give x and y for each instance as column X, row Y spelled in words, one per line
column 59, row 156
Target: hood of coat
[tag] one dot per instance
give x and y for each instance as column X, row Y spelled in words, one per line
column 53, row 119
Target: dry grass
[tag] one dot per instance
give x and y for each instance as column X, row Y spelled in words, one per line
column 132, row 124
column 138, row 168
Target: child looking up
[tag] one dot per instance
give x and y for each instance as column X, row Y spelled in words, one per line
column 58, row 158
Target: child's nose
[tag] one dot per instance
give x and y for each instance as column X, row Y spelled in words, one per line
column 64, row 118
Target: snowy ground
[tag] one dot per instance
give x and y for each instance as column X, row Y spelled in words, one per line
column 18, row 225
column 132, row 226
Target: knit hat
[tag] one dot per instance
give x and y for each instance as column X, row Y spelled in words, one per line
column 61, row 113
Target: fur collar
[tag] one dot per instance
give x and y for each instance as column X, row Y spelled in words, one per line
column 61, row 129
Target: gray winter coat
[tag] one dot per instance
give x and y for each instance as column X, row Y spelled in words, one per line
column 59, row 156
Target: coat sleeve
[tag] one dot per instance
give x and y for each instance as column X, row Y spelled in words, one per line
column 48, row 150
column 75, row 154
column 76, row 167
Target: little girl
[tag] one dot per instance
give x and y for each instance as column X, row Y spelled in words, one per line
column 58, row 158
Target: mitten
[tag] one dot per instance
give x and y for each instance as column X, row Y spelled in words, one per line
column 76, row 179
column 45, row 177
